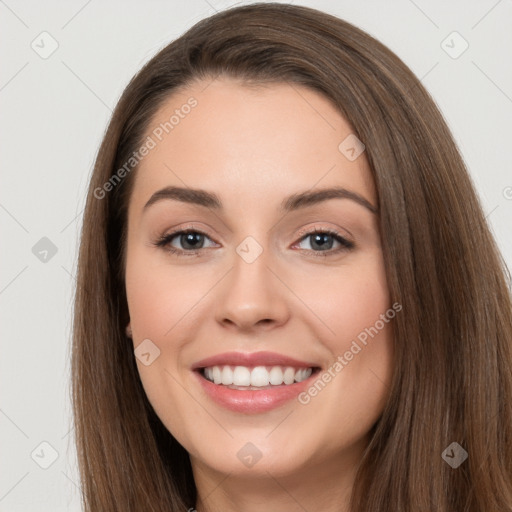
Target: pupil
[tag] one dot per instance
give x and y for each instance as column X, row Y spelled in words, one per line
column 190, row 238
column 320, row 240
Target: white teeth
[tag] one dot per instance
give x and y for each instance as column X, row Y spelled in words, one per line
column 276, row 376
column 216, row 375
column 306, row 373
column 242, row 376
column 227, row 376
column 289, row 375
column 259, row 376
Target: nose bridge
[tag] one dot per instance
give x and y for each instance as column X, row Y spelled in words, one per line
column 251, row 292
column 251, row 262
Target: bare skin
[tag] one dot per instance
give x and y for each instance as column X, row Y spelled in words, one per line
column 253, row 148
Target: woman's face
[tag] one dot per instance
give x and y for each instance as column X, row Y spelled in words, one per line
column 293, row 327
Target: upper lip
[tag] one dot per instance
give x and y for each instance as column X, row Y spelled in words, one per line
column 252, row 359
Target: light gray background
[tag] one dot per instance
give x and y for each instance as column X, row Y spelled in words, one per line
column 53, row 115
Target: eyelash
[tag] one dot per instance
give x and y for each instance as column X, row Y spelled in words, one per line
column 165, row 240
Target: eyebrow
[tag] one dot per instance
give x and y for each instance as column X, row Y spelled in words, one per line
column 292, row 203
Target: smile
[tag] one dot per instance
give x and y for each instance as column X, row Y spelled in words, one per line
column 259, row 377
column 253, row 382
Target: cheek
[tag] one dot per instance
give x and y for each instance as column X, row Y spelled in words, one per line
column 348, row 300
column 160, row 302
column 158, row 296
column 357, row 319
column 164, row 306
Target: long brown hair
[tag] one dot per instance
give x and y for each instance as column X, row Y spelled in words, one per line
column 453, row 357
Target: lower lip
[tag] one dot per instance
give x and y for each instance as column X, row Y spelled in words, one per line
column 252, row 401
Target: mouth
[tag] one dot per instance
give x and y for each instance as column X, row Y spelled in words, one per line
column 255, row 378
column 253, row 383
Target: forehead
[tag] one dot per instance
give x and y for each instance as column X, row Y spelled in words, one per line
column 250, row 143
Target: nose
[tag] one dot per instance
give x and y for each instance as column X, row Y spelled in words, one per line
column 252, row 296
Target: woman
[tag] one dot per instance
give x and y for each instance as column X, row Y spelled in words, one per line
column 287, row 291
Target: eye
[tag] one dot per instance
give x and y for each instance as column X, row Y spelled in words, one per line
column 191, row 240
column 323, row 240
